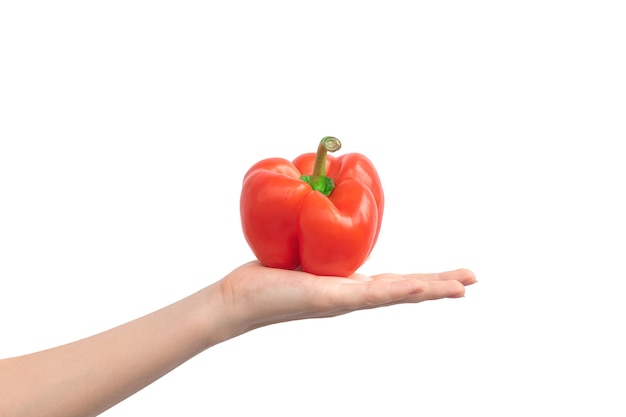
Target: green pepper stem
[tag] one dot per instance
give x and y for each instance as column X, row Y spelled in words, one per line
column 318, row 180
column 327, row 144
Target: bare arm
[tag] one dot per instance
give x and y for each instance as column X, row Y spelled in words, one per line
column 88, row 376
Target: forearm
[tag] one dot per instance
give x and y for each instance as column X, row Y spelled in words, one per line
column 90, row 375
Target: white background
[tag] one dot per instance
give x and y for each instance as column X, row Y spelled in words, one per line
column 497, row 129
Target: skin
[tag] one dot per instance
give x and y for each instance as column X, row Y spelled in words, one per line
column 88, row 376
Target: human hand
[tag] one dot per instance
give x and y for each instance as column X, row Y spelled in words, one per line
column 257, row 296
column 118, row 362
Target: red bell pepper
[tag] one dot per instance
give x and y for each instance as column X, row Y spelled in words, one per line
column 319, row 212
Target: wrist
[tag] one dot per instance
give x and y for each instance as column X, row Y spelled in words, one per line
column 219, row 321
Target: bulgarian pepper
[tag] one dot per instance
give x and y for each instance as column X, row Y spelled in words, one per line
column 319, row 213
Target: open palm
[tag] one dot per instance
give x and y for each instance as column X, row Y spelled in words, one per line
column 259, row 296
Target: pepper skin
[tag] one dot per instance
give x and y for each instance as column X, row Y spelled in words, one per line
column 290, row 222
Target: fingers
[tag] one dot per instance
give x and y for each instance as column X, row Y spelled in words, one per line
column 436, row 290
column 382, row 293
column 388, row 289
column 347, row 295
column 417, row 290
column 464, row 276
column 450, row 284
